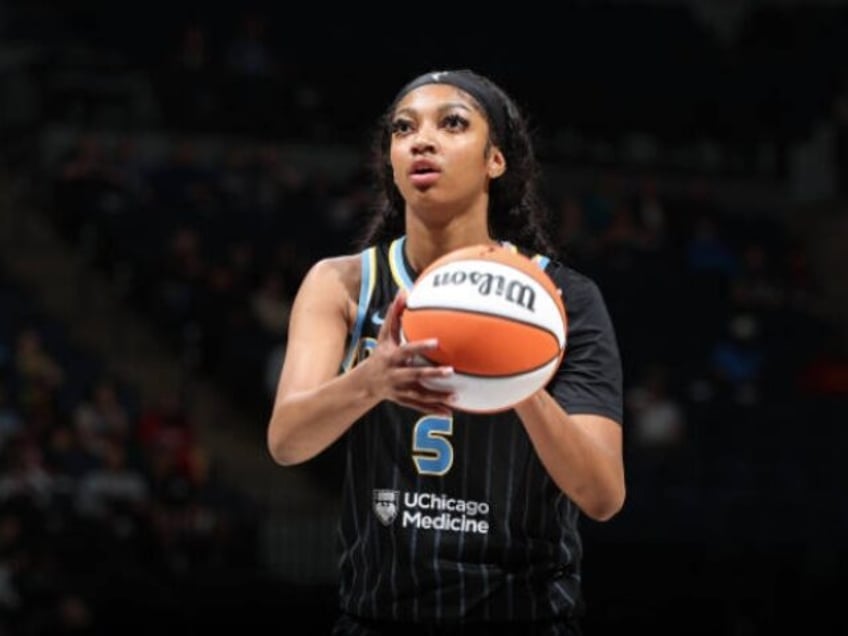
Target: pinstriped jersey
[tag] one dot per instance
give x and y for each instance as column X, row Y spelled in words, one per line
column 455, row 518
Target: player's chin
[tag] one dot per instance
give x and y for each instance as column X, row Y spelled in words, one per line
column 429, row 198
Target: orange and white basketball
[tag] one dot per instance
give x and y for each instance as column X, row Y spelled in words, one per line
column 500, row 322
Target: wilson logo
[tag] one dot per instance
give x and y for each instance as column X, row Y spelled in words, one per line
column 487, row 284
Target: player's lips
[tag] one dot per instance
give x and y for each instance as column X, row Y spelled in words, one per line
column 424, row 173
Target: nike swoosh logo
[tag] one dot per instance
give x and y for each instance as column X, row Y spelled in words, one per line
column 377, row 319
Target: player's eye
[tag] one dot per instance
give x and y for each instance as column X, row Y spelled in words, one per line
column 401, row 126
column 455, row 121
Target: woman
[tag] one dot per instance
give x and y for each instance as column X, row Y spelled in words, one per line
column 492, row 536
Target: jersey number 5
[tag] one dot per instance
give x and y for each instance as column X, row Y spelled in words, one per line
column 432, row 451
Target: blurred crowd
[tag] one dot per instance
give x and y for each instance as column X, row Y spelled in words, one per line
column 107, row 504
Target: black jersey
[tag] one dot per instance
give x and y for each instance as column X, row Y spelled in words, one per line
column 455, row 518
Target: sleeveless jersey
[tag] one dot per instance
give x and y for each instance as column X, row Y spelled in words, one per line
column 455, row 518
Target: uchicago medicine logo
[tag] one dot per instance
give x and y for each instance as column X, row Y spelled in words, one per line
column 431, row 511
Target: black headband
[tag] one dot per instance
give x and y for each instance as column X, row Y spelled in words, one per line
column 467, row 81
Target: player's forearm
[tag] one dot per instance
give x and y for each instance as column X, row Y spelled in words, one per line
column 304, row 423
column 590, row 474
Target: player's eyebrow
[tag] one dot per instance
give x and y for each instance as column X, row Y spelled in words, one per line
column 409, row 110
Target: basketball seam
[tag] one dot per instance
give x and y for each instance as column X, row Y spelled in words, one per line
column 490, row 315
column 496, row 376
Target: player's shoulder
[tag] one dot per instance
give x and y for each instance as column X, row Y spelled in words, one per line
column 560, row 270
column 336, row 271
column 579, row 289
column 336, row 265
column 575, row 277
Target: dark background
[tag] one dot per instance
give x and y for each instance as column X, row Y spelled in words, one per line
column 167, row 175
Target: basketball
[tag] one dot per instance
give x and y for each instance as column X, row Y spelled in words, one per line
column 500, row 322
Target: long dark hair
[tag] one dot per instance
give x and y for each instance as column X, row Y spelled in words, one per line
column 517, row 211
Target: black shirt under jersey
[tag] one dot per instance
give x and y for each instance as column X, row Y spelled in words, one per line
column 481, row 532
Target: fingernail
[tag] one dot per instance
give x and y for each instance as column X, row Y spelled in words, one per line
column 432, row 343
column 447, row 370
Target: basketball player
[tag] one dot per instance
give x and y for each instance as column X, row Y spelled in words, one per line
column 451, row 522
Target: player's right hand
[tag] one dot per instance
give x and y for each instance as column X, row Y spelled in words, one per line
column 395, row 369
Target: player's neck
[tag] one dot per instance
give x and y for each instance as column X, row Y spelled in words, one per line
column 425, row 245
column 427, row 238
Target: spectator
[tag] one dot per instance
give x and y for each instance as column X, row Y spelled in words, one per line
column 101, row 417
column 658, row 419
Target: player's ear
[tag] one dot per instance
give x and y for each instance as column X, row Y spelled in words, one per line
column 496, row 164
